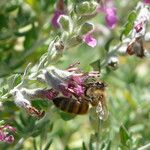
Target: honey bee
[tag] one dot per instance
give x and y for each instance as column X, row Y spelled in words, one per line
column 94, row 95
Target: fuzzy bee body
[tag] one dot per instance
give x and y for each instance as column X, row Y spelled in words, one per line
column 71, row 105
column 94, row 95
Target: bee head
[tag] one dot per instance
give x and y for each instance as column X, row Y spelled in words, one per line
column 95, row 92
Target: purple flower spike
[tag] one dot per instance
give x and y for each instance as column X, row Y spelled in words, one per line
column 147, row 1
column 89, row 40
column 55, row 18
column 111, row 17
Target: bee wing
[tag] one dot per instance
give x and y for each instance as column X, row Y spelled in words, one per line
column 102, row 111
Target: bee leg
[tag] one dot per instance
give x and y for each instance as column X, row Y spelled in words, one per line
column 73, row 65
column 87, row 98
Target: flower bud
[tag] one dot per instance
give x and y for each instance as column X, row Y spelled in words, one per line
column 19, row 99
column 86, row 8
column 55, row 50
column 25, row 104
column 113, row 62
column 85, row 28
column 73, row 41
column 65, row 23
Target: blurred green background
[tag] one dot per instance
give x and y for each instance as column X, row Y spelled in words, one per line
column 25, row 32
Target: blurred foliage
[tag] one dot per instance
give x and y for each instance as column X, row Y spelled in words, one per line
column 25, row 32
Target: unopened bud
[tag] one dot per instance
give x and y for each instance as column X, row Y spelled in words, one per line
column 85, row 28
column 65, row 23
column 86, row 8
column 59, row 46
column 73, row 41
column 24, row 103
column 55, row 51
column 113, row 62
column 19, row 99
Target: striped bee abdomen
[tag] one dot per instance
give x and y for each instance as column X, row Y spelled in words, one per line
column 71, row 105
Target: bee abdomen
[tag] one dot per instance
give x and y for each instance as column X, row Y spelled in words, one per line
column 71, row 105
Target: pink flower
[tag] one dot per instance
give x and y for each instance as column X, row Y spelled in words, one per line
column 5, row 136
column 111, row 17
column 45, row 93
column 55, row 17
column 139, row 26
column 109, row 10
column 59, row 10
column 89, row 40
column 147, row 1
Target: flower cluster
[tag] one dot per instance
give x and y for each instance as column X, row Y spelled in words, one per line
column 5, row 133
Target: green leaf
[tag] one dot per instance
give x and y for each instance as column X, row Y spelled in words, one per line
column 45, row 4
column 12, row 81
column 35, row 144
column 31, row 36
column 124, row 135
column 3, row 21
column 48, row 144
column 108, row 146
column 107, row 45
column 132, row 17
column 36, row 133
column 83, row 146
column 41, row 123
column 23, row 119
column 67, row 148
column 96, row 65
column 2, row 122
column 19, row 127
column 128, row 28
column 92, row 139
column 66, row 116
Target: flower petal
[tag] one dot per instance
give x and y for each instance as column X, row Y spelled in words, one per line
column 111, row 17
column 147, row 1
column 55, row 18
column 9, row 139
column 89, row 40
